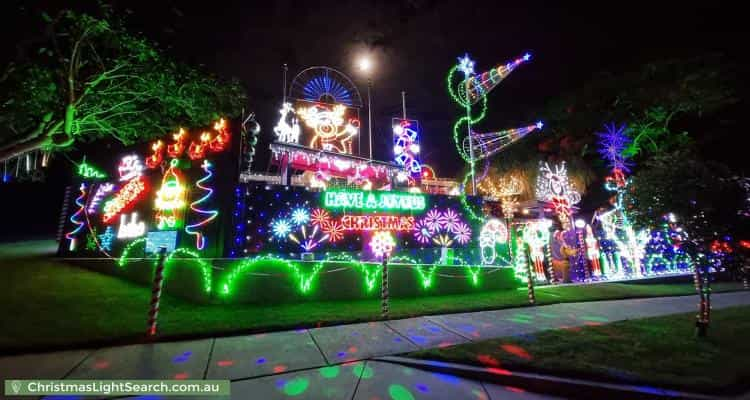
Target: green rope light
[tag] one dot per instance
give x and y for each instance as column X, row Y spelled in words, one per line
column 204, row 266
column 124, row 260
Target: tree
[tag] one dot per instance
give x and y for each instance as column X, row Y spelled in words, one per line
column 703, row 195
column 91, row 79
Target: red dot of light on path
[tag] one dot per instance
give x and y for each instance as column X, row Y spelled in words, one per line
column 499, row 371
column 487, row 359
column 514, row 389
column 445, row 344
column 517, row 351
column 225, row 363
column 181, row 375
column 352, row 349
column 101, row 364
column 592, row 323
column 279, row 368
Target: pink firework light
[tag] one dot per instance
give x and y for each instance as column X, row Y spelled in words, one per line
column 462, row 233
column 432, row 220
column 449, row 220
column 422, row 232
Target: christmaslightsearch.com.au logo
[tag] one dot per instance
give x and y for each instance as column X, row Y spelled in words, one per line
column 17, row 387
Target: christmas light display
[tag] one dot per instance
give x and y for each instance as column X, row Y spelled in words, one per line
column 170, row 199
column 197, row 150
column 130, row 167
column 377, row 222
column 382, row 244
column 493, row 232
column 287, row 130
column 102, row 190
column 158, row 239
column 87, row 171
column 536, row 235
column 592, row 251
column 300, row 216
column 177, row 147
column 507, row 189
column 374, row 201
column 553, row 187
column 207, row 215
column 485, row 145
column 130, row 227
column 442, row 228
column 76, row 218
column 333, row 132
column 308, row 241
column 472, row 89
column 281, row 228
column 616, row 226
column 156, row 158
column 216, row 142
column 124, row 199
column 612, row 144
column 106, row 238
column 406, row 144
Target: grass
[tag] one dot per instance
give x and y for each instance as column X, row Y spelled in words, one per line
column 658, row 351
column 48, row 304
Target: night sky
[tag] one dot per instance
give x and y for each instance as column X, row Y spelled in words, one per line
column 414, row 43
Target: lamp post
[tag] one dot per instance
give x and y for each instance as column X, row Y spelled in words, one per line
column 365, row 65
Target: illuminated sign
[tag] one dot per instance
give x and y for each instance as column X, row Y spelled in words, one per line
column 157, row 239
column 101, row 191
column 332, row 129
column 124, row 199
column 406, row 144
column 287, row 130
column 377, row 223
column 131, row 229
column 364, row 200
column 130, row 167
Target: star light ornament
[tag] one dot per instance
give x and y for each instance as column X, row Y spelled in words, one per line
column 612, row 144
column 466, row 65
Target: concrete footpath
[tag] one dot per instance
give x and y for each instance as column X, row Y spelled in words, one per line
column 336, row 362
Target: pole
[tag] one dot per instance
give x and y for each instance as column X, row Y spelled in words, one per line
column 153, row 313
column 529, row 281
column 701, row 320
column 369, row 113
column 283, row 88
column 384, row 289
column 403, row 103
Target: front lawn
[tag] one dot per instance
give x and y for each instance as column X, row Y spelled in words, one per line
column 48, row 304
column 658, row 351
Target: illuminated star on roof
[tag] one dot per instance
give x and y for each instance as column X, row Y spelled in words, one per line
column 466, row 65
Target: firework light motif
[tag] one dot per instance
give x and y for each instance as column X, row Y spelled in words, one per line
column 306, row 241
column 422, row 232
column 320, row 216
column 442, row 240
column 382, row 244
column 612, row 144
column 300, row 216
column 462, row 233
column 334, row 229
column 281, row 228
column 449, row 220
column 432, row 220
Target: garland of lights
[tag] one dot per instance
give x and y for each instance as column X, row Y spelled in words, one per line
column 200, row 238
column 76, row 218
column 203, row 265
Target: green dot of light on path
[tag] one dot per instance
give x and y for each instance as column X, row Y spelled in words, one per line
column 296, row 386
column 363, row 372
column 330, row 372
column 399, row 392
